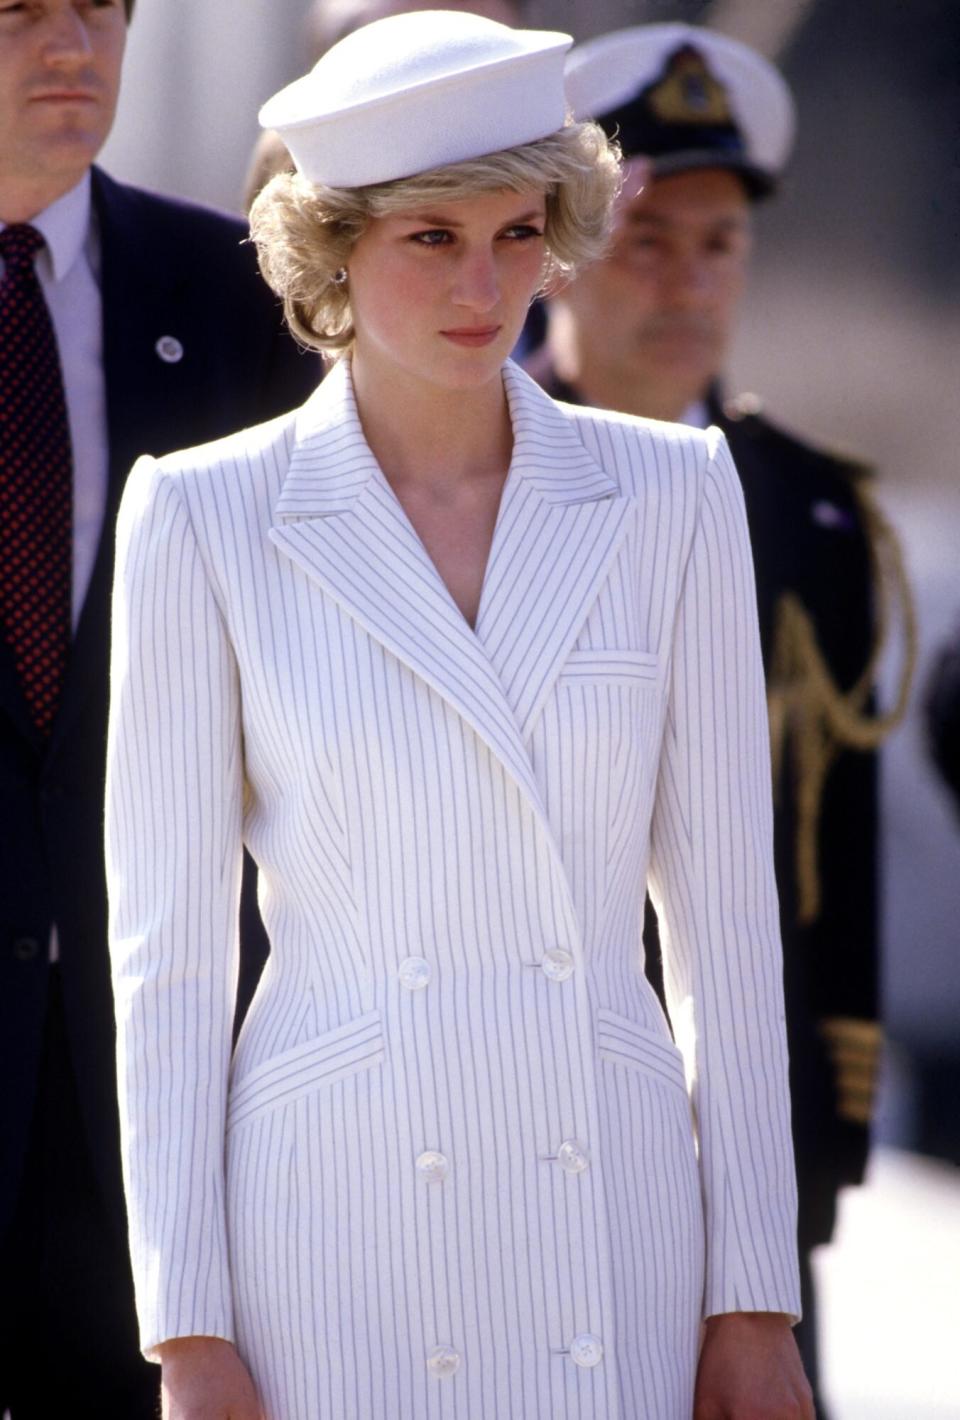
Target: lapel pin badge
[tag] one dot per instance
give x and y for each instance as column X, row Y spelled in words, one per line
column 170, row 350
column 828, row 515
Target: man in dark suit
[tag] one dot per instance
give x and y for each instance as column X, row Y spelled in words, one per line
column 706, row 126
column 130, row 324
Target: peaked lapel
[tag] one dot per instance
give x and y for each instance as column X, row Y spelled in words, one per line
column 561, row 522
column 127, row 283
column 339, row 521
column 134, row 277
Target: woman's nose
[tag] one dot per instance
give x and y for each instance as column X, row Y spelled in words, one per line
column 477, row 285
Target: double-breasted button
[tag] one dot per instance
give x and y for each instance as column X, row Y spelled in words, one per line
column 443, row 1362
column 432, row 1166
column 26, row 948
column 414, row 973
column 572, row 1157
column 586, row 1350
column 557, row 964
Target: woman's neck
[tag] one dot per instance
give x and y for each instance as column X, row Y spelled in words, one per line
column 422, row 433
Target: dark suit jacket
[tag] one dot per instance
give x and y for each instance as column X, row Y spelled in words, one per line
column 168, row 269
column 808, row 538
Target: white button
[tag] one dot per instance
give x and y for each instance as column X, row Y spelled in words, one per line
column 572, row 1157
column 443, row 1361
column 557, row 964
column 170, row 350
column 586, row 1350
column 433, row 1167
column 414, row 973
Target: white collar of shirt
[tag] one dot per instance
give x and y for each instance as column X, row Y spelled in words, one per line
column 65, row 226
column 696, row 415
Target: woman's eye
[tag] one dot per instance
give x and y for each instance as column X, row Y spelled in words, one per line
column 522, row 233
column 434, row 238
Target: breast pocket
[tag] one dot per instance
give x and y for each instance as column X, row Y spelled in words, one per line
column 603, row 734
column 605, row 667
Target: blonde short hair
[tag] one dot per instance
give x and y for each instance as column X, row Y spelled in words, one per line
column 305, row 232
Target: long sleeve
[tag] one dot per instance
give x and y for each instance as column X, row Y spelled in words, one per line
column 173, row 846
column 712, row 883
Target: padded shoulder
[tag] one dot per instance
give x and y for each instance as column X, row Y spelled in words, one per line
column 744, row 421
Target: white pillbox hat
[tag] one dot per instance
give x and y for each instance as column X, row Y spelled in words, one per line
column 419, row 91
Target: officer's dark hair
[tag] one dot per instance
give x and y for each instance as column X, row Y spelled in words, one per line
column 128, row 6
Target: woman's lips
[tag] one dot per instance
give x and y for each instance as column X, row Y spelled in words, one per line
column 473, row 336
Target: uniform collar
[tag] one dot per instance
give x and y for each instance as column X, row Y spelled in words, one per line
column 696, row 415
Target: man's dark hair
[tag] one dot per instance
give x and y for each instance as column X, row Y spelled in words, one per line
column 128, row 6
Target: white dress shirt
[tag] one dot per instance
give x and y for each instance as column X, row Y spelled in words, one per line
column 696, row 415
column 68, row 270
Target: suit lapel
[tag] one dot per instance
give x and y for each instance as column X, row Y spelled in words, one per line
column 338, row 520
column 126, row 284
column 561, row 523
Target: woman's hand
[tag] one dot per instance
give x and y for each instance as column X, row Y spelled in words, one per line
column 750, row 1369
column 203, row 1378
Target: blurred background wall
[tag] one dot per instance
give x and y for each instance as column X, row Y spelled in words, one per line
column 850, row 335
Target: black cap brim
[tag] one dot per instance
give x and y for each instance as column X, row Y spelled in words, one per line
column 758, row 183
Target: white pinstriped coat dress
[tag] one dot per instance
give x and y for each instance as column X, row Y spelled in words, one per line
column 457, row 1168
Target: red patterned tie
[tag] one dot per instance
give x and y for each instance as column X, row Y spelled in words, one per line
column 36, row 481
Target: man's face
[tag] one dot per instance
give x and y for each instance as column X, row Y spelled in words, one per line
column 60, row 64
column 660, row 310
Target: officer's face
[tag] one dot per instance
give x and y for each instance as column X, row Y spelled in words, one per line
column 59, row 79
column 660, row 309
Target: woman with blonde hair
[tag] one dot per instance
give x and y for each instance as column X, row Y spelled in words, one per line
column 464, row 669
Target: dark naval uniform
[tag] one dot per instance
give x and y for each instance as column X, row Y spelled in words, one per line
column 812, row 550
column 810, row 541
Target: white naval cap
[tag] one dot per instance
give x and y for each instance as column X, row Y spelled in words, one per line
column 418, row 91
column 686, row 97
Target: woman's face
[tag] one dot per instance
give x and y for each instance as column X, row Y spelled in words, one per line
column 440, row 292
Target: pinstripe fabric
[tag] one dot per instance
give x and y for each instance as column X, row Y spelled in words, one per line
column 454, row 831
